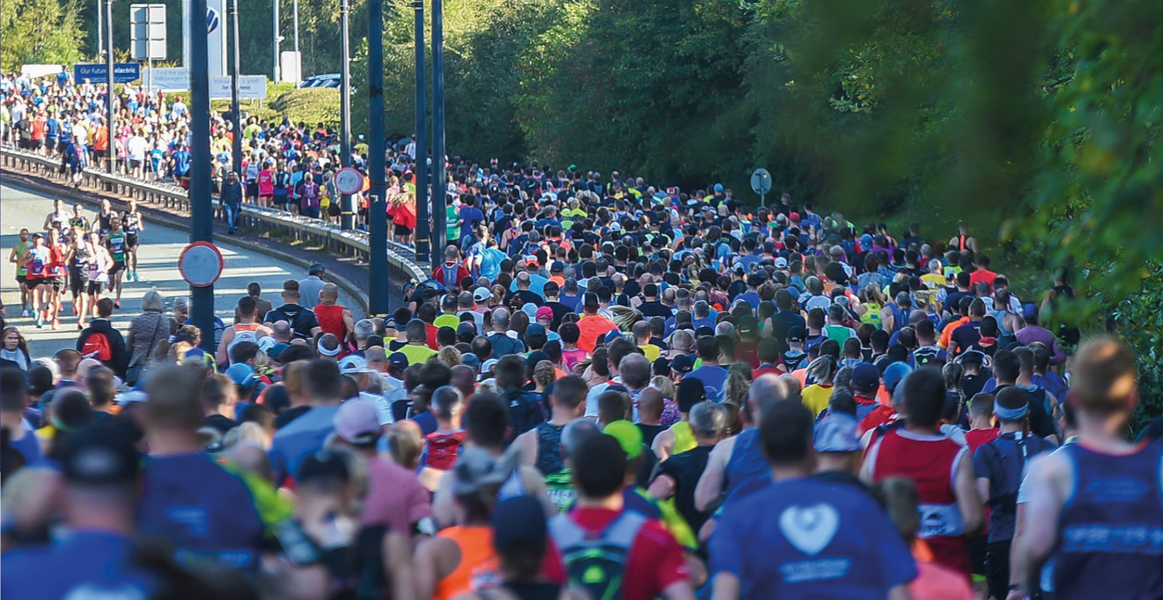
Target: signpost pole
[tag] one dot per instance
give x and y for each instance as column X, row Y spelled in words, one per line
column 377, row 207
column 347, row 221
column 201, row 212
column 421, row 158
column 110, row 135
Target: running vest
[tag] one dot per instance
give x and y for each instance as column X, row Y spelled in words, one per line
column 899, row 318
column 478, row 561
column 747, row 470
column 21, row 247
column 40, row 258
column 330, row 317
column 131, row 222
column 82, row 254
column 684, row 438
column 1110, row 532
column 243, row 332
column 929, row 461
column 549, row 459
column 117, row 246
column 56, row 260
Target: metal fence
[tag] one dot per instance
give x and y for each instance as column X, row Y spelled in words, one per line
column 173, row 198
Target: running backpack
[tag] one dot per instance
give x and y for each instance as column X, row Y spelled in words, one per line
column 596, row 562
column 97, row 346
column 443, row 448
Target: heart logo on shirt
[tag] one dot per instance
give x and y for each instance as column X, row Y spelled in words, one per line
column 809, row 529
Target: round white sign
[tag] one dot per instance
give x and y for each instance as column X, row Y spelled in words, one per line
column 201, row 264
column 348, row 181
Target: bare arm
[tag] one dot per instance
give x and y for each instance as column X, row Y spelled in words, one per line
column 900, row 592
column 663, row 445
column 1035, row 538
column 968, row 501
column 527, row 445
column 662, row 487
column 725, row 586
column 348, row 321
column 398, row 565
column 679, row 590
column 983, row 489
column 221, row 355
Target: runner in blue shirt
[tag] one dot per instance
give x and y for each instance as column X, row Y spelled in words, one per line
column 800, row 537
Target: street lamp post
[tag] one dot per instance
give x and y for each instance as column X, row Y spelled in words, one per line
column 348, row 217
column 235, row 92
column 421, row 158
column 439, row 178
column 275, row 9
column 110, row 152
column 377, row 207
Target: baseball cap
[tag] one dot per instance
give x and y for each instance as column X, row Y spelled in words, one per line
column 532, row 262
column 796, row 334
column 100, row 455
column 544, row 311
column 1030, row 311
column 241, row 374
column 356, row 422
column 780, row 262
column 324, row 464
column 865, row 377
column 629, row 437
column 661, row 366
column 476, row 470
column 894, row 374
column 535, row 357
column 590, row 299
column 482, row 294
column 718, row 187
column 470, row 360
column 352, row 364
column 747, row 324
column 398, row 360
column 683, row 363
column 690, row 392
column 557, row 266
column 519, row 525
column 488, row 365
column 613, row 334
column 836, row 432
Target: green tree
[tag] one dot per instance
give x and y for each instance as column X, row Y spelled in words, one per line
column 39, row 31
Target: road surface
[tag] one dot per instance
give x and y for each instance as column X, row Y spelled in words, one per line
column 157, row 260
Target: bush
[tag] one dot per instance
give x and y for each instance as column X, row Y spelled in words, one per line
column 309, row 105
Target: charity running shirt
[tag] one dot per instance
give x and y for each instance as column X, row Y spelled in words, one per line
column 84, row 564
column 804, row 538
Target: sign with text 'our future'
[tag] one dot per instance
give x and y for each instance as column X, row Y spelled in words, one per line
column 95, row 72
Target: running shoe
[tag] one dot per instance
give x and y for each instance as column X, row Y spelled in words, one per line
column 24, row 314
column 116, row 304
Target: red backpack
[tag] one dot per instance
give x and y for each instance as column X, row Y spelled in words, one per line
column 443, row 449
column 97, row 346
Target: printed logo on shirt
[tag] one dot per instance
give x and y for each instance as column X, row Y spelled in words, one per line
column 809, row 529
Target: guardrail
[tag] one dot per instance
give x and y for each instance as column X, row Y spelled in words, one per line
column 349, row 243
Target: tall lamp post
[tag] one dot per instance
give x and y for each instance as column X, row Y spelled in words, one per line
column 201, row 212
column 421, row 167
column 110, row 153
column 377, row 207
column 348, row 216
column 439, row 178
column 235, row 92
column 275, row 10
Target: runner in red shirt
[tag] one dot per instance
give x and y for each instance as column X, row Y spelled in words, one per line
column 950, row 508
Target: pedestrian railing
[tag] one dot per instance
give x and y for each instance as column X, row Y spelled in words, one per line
column 320, row 233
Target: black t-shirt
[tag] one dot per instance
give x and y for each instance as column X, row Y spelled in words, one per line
column 559, row 312
column 973, row 384
column 520, row 298
column 289, row 415
column 655, row 309
column 395, row 345
column 685, row 469
column 649, row 432
column 219, row 422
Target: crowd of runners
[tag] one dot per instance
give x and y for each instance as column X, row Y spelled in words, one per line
column 607, row 390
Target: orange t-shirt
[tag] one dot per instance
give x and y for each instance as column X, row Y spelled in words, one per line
column 947, row 332
column 593, row 327
column 101, row 139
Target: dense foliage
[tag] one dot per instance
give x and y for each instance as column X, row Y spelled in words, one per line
column 39, row 31
column 1037, row 122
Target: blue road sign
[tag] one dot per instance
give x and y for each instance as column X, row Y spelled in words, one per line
column 95, row 72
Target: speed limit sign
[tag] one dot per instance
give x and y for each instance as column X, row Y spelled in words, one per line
column 201, row 264
column 348, row 181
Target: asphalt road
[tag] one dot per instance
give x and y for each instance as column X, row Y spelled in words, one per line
column 157, row 260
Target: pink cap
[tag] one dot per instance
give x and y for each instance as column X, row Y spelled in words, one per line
column 545, row 311
column 356, row 422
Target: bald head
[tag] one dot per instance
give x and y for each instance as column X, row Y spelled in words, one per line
column 329, row 293
column 764, row 390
